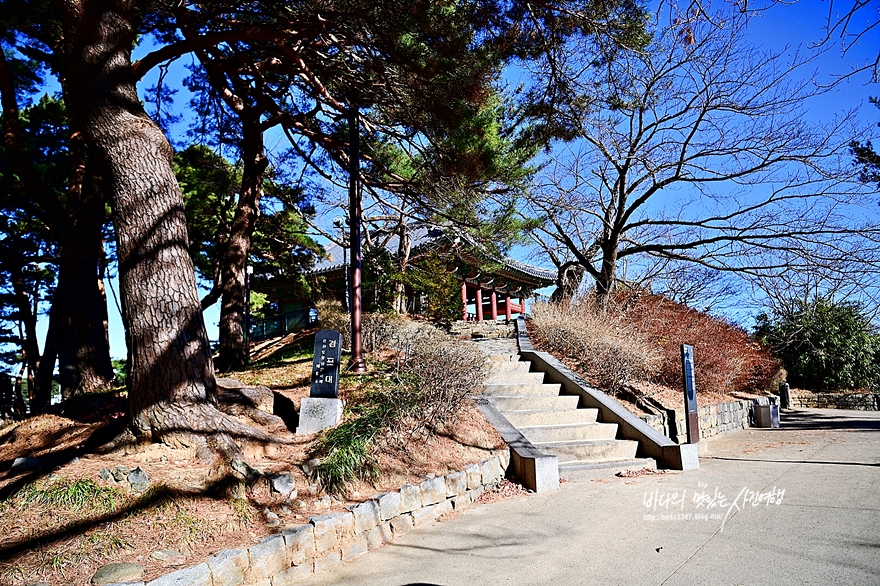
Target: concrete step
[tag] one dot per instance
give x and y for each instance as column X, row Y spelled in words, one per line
column 515, row 378
column 590, row 450
column 520, row 419
column 543, row 390
column 504, row 357
column 561, row 433
column 519, row 403
column 508, row 367
column 575, row 470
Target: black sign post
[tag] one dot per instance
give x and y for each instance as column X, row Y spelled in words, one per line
column 325, row 367
column 690, row 394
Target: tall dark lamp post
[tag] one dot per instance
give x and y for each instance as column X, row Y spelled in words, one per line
column 340, row 223
column 358, row 364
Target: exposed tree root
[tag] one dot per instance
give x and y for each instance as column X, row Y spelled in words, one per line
column 254, row 402
column 201, row 427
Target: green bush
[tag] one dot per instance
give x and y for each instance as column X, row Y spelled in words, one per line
column 824, row 344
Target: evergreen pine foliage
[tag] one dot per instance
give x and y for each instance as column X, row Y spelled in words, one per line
column 824, row 344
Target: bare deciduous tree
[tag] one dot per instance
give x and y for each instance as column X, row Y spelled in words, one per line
column 699, row 149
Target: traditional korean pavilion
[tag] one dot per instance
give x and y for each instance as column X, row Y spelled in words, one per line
column 491, row 287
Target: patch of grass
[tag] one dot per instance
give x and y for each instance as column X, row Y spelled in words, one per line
column 10, row 572
column 294, row 353
column 348, row 456
column 187, row 527
column 242, row 509
column 170, row 515
column 105, row 543
column 97, row 544
column 345, row 450
column 67, row 494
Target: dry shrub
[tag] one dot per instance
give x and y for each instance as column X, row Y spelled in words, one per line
column 444, row 372
column 332, row 316
column 378, row 330
column 447, row 375
column 406, row 403
column 637, row 336
column 726, row 358
column 603, row 345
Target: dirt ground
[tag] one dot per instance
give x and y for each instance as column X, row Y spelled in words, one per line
column 61, row 522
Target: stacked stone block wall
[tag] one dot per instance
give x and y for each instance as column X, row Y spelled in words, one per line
column 714, row 419
column 856, row 401
column 327, row 540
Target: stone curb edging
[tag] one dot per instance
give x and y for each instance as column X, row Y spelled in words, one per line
column 536, row 470
column 326, row 540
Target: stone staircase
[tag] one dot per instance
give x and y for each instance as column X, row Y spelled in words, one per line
column 554, row 425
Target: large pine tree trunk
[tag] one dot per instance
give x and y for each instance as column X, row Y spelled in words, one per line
column 172, row 374
column 29, row 347
column 84, row 351
column 232, row 339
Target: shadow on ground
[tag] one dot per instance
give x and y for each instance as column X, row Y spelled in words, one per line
column 815, row 419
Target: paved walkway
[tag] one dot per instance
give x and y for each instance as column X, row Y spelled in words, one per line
column 664, row 529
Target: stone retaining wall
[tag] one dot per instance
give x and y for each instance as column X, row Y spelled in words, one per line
column 326, row 540
column 857, row 401
column 714, row 419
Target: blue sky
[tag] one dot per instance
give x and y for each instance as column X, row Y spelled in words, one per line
column 796, row 25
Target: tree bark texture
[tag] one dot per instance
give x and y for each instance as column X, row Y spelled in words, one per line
column 30, row 349
column 79, row 305
column 83, row 309
column 607, row 277
column 568, row 282
column 172, row 375
column 232, row 335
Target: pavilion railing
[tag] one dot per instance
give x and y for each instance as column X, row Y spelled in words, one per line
column 280, row 325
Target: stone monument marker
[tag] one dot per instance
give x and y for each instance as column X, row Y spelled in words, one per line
column 323, row 408
column 325, row 366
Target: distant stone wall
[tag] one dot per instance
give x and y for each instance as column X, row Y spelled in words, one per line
column 326, row 540
column 714, row 419
column 856, row 401
column 482, row 329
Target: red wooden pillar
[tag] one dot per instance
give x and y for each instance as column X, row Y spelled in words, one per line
column 479, row 303
column 464, row 300
column 522, row 306
column 494, row 299
column 507, row 311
